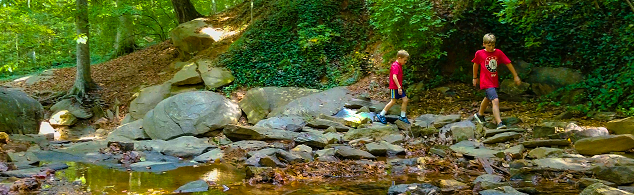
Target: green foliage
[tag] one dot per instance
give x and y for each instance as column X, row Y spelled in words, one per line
column 304, row 43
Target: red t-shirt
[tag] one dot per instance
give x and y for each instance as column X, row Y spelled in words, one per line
column 489, row 62
column 398, row 71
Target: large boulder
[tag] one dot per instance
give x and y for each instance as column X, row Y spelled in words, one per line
column 131, row 131
column 621, row 126
column 258, row 102
column 604, row 144
column 545, row 80
column 19, row 113
column 147, row 99
column 215, row 77
column 193, row 36
column 188, row 75
column 73, row 107
column 328, row 103
column 191, row 113
column 602, row 189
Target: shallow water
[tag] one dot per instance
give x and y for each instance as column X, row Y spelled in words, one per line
column 103, row 180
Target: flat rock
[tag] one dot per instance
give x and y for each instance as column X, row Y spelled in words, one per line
column 492, row 132
column 23, row 173
column 502, row 137
column 471, row 148
column 194, row 186
column 352, row 153
column 547, row 143
column 602, row 189
column 605, row 144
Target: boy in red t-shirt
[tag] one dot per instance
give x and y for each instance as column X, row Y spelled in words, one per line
column 487, row 60
column 396, row 87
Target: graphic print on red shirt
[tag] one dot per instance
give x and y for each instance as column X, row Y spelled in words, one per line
column 489, row 62
column 398, row 71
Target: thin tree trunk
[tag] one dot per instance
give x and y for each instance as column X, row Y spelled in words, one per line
column 124, row 43
column 185, row 11
column 83, row 80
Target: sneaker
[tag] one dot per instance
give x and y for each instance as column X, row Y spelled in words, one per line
column 501, row 126
column 404, row 119
column 479, row 118
column 381, row 118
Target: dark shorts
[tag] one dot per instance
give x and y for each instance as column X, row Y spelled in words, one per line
column 394, row 94
column 491, row 93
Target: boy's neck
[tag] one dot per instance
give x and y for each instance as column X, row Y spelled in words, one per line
column 490, row 51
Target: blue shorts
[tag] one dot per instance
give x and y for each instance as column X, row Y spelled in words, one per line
column 394, row 94
column 491, row 93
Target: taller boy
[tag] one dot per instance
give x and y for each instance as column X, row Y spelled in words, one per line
column 396, row 87
column 487, row 60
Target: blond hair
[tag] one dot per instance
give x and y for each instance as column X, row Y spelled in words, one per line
column 402, row 54
column 489, row 38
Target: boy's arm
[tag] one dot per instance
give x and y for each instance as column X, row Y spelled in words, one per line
column 396, row 81
column 475, row 74
column 515, row 77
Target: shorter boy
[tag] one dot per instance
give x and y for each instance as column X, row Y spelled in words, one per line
column 487, row 61
column 397, row 91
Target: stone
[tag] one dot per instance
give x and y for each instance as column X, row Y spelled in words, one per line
column 258, row 102
column 333, row 138
column 188, row 37
column 289, row 157
column 147, row 99
column 621, row 126
column 23, row 157
column 463, row 132
column 30, row 172
column 269, row 161
column 502, row 137
column 414, row 188
column 604, row 144
column 508, row 86
column 132, row 131
column 602, row 189
column 444, row 120
column 237, row 133
column 215, row 77
column 547, row 142
column 188, row 75
column 347, row 152
column 544, row 80
column 475, row 149
column 249, row 145
column 63, row 118
column 325, row 152
column 191, row 113
column 546, row 129
column 317, row 140
column 323, row 124
column 373, row 132
column 302, row 148
column 452, row 185
column 194, row 186
column 186, row 146
column 393, row 138
column 604, row 116
column 504, row 190
column 516, row 152
column 492, row 132
column 584, row 182
column 488, row 178
column 545, row 152
column 383, row 148
column 74, row 107
column 255, row 171
column 619, row 175
column 328, row 103
column 281, row 122
column 210, row 156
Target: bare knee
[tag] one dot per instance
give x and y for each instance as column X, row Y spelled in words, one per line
column 405, row 100
column 495, row 101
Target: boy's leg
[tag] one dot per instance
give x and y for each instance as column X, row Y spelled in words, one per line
column 381, row 116
column 404, row 110
column 495, row 102
column 479, row 117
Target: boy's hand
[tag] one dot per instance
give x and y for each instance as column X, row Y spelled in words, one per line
column 400, row 91
column 475, row 82
column 517, row 81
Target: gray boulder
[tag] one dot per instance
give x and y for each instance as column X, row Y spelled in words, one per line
column 237, row 133
column 621, row 126
column 191, row 113
column 258, row 102
column 545, row 80
column 132, row 131
column 284, row 123
column 73, row 107
column 328, row 103
column 147, row 99
column 19, row 113
column 188, row 37
column 605, row 144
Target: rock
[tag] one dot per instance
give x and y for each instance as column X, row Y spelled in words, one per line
column 428, row 131
column 370, row 132
column 30, row 172
column 347, row 152
column 328, row 103
column 547, row 142
column 474, row 149
column 502, row 137
column 546, row 129
column 188, row 75
column 444, row 120
column 604, row 144
column 75, row 108
column 63, row 118
column 191, row 113
column 188, row 37
column 333, row 138
column 393, row 138
column 237, row 133
column 516, row 152
column 323, row 124
column 210, row 156
column 508, row 86
column 492, row 132
column 152, row 166
column 584, row 182
column 576, row 133
column 564, row 115
column 621, row 126
column 604, row 116
column 23, row 157
column 249, row 145
column 258, row 102
column 147, row 99
column 133, row 131
column 545, row 152
column 289, row 157
column 357, row 103
column 178, row 89
column 19, row 113
column 317, row 140
column 327, row 159
column 184, row 147
column 194, row 186
column 215, row 77
column 488, row 178
column 269, row 161
column 255, row 171
column 281, row 122
column 617, row 174
column 403, row 126
column 439, row 152
column 563, row 164
column 545, row 80
column 461, row 131
column 414, row 188
column 452, row 185
column 350, row 120
column 602, row 189
column 325, row 152
column 383, row 148
column 504, row 190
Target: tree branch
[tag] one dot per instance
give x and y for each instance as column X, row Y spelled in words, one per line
column 630, row 3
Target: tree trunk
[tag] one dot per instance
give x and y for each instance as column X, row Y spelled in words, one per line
column 185, row 11
column 83, row 81
column 124, row 43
